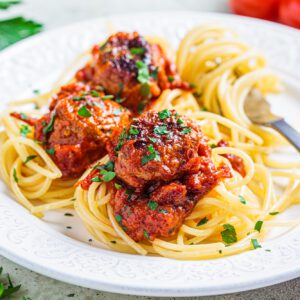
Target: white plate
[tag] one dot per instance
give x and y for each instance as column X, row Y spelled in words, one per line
column 51, row 249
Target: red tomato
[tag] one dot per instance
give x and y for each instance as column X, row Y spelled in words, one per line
column 289, row 12
column 264, row 9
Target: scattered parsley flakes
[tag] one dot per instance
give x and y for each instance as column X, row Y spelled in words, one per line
column 141, row 106
column 274, row 213
column 16, row 179
column 49, row 127
column 202, row 221
column 186, row 130
column 23, row 117
column 29, row 158
column 154, row 155
column 84, row 112
column 229, row 234
column 107, row 175
column 118, row 186
column 242, row 199
column 133, row 130
column 78, row 98
column 118, row 218
column 161, row 129
column 137, row 51
column 213, row 146
column 146, row 234
column 258, row 225
column 143, row 72
column 154, row 73
column 164, row 114
column 163, row 211
column 171, row 78
column 24, row 130
column 154, row 140
column 152, row 205
column 145, row 90
column 255, row 243
column 94, row 93
column 50, row 151
column 96, row 179
column 107, row 97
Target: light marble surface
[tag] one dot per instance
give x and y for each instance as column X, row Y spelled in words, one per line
column 54, row 13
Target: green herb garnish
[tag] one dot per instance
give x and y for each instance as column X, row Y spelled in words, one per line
column 78, row 98
column 242, row 199
column 171, row 78
column 118, row 186
column 152, row 205
column 117, row 112
column 258, row 225
column 146, row 234
column 96, row 179
column 229, row 234
column 49, row 127
column 50, row 151
column 118, row 218
column 154, row 140
column 274, row 213
column 161, row 129
column 107, row 175
column 163, row 211
column 164, row 114
column 23, row 117
column 107, row 97
column 137, row 51
column 154, row 155
column 68, row 215
column 255, row 243
column 7, row 3
column 154, row 73
column 24, row 130
column 94, row 93
column 202, row 221
column 143, row 72
column 84, row 112
column 133, row 130
column 16, row 179
column 145, row 90
column 186, row 130
column 29, row 158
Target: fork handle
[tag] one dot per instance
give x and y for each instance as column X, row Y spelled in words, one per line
column 291, row 134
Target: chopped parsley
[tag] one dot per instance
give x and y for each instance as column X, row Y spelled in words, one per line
column 141, row 106
column 154, row 155
column 24, row 130
column 16, row 179
column 29, row 158
column 133, row 130
column 107, row 97
column 118, row 186
column 78, row 98
column 96, row 179
column 154, row 140
column 229, row 234
column 164, row 114
column 23, row 116
column 213, row 146
column 255, row 243
column 154, row 73
column 50, row 151
column 274, row 213
column 107, row 175
column 242, row 199
column 258, row 225
column 202, row 221
column 186, row 130
column 145, row 90
column 146, row 234
column 161, row 129
column 49, row 127
column 163, row 211
column 152, row 205
column 94, row 93
column 117, row 112
column 118, row 218
column 84, row 112
column 137, row 51
column 143, row 72
column 171, row 78
column 181, row 123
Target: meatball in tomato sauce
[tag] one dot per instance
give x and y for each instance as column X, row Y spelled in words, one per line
column 163, row 166
column 76, row 130
column 132, row 69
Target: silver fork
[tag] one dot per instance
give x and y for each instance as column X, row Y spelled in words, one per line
column 258, row 110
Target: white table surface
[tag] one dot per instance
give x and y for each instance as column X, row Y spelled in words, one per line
column 55, row 13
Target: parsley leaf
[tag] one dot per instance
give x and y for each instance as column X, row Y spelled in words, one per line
column 117, row 111
column 137, row 51
column 145, row 90
column 84, row 112
column 146, row 234
column 15, row 29
column 16, row 179
column 163, row 211
column 154, row 155
column 161, row 129
column 29, row 158
column 274, row 213
column 171, row 78
column 202, row 221
column 96, row 179
column 118, row 186
column 143, row 72
column 229, row 234
column 154, row 140
column 107, row 175
column 23, row 117
column 255, row 243
column 133, row 130
column 24, row 130
column 164, row 114
column 7, row 3
column 154, row 73
column 152, row 205
column 50, row 151
column 242, row 199
column 118, row 218
column 78, row 98
column 258, row 225
column 49, row 127
column 107, row 97
column 186, row 130
column 94, row 93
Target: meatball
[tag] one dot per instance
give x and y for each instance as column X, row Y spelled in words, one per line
column 77, row 128
column 163, row 166
column 131, row 69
